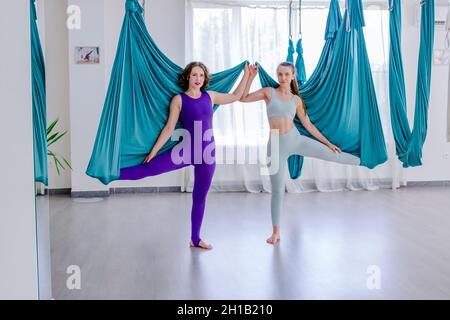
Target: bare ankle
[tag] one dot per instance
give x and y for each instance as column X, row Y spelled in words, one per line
column 276, row 230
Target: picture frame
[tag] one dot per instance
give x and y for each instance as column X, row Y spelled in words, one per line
column 87, row 55
column 441, row 57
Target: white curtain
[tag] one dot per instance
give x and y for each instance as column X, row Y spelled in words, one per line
column 222, row 36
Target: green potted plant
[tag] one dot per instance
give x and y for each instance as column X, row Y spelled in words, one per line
column 52, row 137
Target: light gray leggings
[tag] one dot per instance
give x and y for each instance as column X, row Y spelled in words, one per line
column 292, row 142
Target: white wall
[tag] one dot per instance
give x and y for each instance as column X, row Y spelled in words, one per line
column 165, row 20
column 18, row 255
column 87, row 89
column 57, row 83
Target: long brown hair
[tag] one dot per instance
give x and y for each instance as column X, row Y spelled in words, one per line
column 294, row 85
column 183, row 81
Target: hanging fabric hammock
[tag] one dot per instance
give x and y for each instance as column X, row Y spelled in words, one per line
column 300, row 61
column 409, row 144
column 143, row 81
column 291, row 50
column 38, row 96
column 340, row 95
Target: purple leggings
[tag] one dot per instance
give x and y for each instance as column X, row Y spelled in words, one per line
column 194, row 112
column 203, row 174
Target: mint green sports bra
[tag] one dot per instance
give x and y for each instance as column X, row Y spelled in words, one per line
column 279, row 108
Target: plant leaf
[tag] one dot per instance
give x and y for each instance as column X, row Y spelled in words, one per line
column 52, row 137
column 57, row 138
column 67, row 162
column 51, row 126
column 56, row 164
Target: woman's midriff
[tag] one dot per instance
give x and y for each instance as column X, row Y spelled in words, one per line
column 282, row 124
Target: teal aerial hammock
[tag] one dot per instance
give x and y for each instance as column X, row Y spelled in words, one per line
column 340, row 94
column 291, row 50
column 38, row 96
column 299, row 62
column 409, row 144
column 143, row 81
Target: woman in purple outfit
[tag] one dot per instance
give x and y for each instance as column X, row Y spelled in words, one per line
column 194, row 107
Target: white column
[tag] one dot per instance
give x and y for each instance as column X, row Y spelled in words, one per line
column 57, row 84
column 18, row 254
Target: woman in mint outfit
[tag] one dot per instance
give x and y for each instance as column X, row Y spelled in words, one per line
column 283, row 104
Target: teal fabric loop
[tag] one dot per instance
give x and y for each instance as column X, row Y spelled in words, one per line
column 355, row 11
column 299, row 47
column 334, row 20
column 409, row 144
column 300, row 63
column 291, row 51
column 133, row 6
column 38, row 101
column 33, row 15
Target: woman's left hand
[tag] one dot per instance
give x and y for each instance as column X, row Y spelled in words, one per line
column 149, row 157
column 253, row 70
column 247, row 69
column 334, row 148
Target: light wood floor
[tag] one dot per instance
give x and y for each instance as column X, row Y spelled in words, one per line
column 135, row 246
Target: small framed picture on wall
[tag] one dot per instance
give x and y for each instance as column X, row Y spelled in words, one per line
column 87, row 55
column 441, row 57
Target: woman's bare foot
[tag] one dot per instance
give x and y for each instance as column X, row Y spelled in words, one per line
column 274, row 238
column 201, row 245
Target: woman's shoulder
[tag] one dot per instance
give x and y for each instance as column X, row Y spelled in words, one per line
column 298, row 99
column 268, row 92
column 177, row 100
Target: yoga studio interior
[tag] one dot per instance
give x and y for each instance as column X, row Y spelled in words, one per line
column 225, row 149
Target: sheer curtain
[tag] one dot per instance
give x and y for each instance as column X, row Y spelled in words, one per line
column 223, row 35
